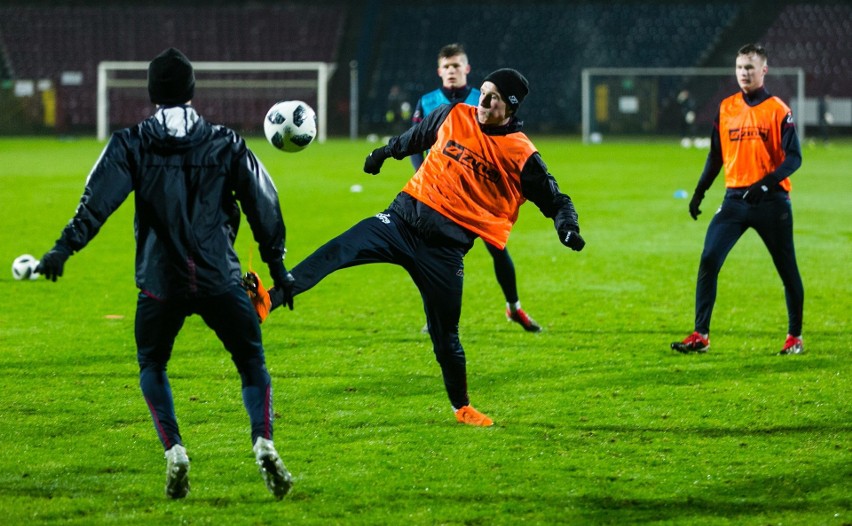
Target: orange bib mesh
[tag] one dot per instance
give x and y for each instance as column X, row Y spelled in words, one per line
column 473, row 178
column 751, row 139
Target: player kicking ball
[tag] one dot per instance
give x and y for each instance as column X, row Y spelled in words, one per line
column 480, row 169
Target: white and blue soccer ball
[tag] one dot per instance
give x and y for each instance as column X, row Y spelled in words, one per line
column 24, row 267
column 290, row 125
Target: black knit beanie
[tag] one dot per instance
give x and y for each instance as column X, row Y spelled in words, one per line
column 171, row 80
column 511, row 84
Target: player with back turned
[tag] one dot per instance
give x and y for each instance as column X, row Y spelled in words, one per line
column 754, row 139
column 187, row 176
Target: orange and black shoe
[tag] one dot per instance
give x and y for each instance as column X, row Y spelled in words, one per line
column 695, row 342
column 470, row 416
column 258, row 294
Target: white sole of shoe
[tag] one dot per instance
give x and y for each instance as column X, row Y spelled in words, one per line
column 278, row 480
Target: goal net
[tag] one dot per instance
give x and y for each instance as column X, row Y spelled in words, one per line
column 236, row 94
column 671, row 102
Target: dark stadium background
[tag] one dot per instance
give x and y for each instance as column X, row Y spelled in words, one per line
column 395, row 43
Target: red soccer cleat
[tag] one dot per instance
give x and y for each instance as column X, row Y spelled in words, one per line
column 695, row 342
column 522, row 318
column 793, row 345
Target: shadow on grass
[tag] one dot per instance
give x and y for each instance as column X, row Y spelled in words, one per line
column 730, row 432
column 752, row 496
column 613, row 510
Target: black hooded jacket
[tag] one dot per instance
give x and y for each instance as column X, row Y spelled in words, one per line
column 188, row 176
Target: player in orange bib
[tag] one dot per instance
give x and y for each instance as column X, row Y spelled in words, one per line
column 480, row 169
column 453, row 68
column 754, row 139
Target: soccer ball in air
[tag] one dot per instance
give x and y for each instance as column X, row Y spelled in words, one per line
column 290, row 125
column 24, row 267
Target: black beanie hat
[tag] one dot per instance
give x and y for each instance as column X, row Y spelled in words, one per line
column 511, row 84
column 171, row 80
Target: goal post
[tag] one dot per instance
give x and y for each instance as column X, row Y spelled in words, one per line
column 643, row 102
column 236, row 94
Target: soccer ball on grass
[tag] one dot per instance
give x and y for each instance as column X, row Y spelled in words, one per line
column 24, row 267
column 290, row 125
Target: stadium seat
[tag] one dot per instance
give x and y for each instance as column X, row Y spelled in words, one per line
column 42, row 42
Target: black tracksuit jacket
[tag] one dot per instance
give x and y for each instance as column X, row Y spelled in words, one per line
column 186, row 192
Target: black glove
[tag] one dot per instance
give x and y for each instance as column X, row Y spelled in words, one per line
column 282, row 291
column 373, row 162
column 756, row 192
column 53, row 263
column 282, row 294
column 571, row 238
column 694, row 203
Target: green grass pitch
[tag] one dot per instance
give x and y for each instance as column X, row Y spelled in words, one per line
column 597, row 420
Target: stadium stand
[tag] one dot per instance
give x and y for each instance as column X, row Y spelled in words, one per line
column 818, row 38
column 45, row 42
column 549, row 42
column 396, row 44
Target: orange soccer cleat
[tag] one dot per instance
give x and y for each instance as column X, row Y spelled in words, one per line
column 470, row 416
column 258, row 294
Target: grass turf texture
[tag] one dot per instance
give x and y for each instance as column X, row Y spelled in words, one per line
column 597, row 420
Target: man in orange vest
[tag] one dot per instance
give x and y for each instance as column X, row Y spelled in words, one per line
column 755, row 139
column 453, row 68
column 480, row 169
